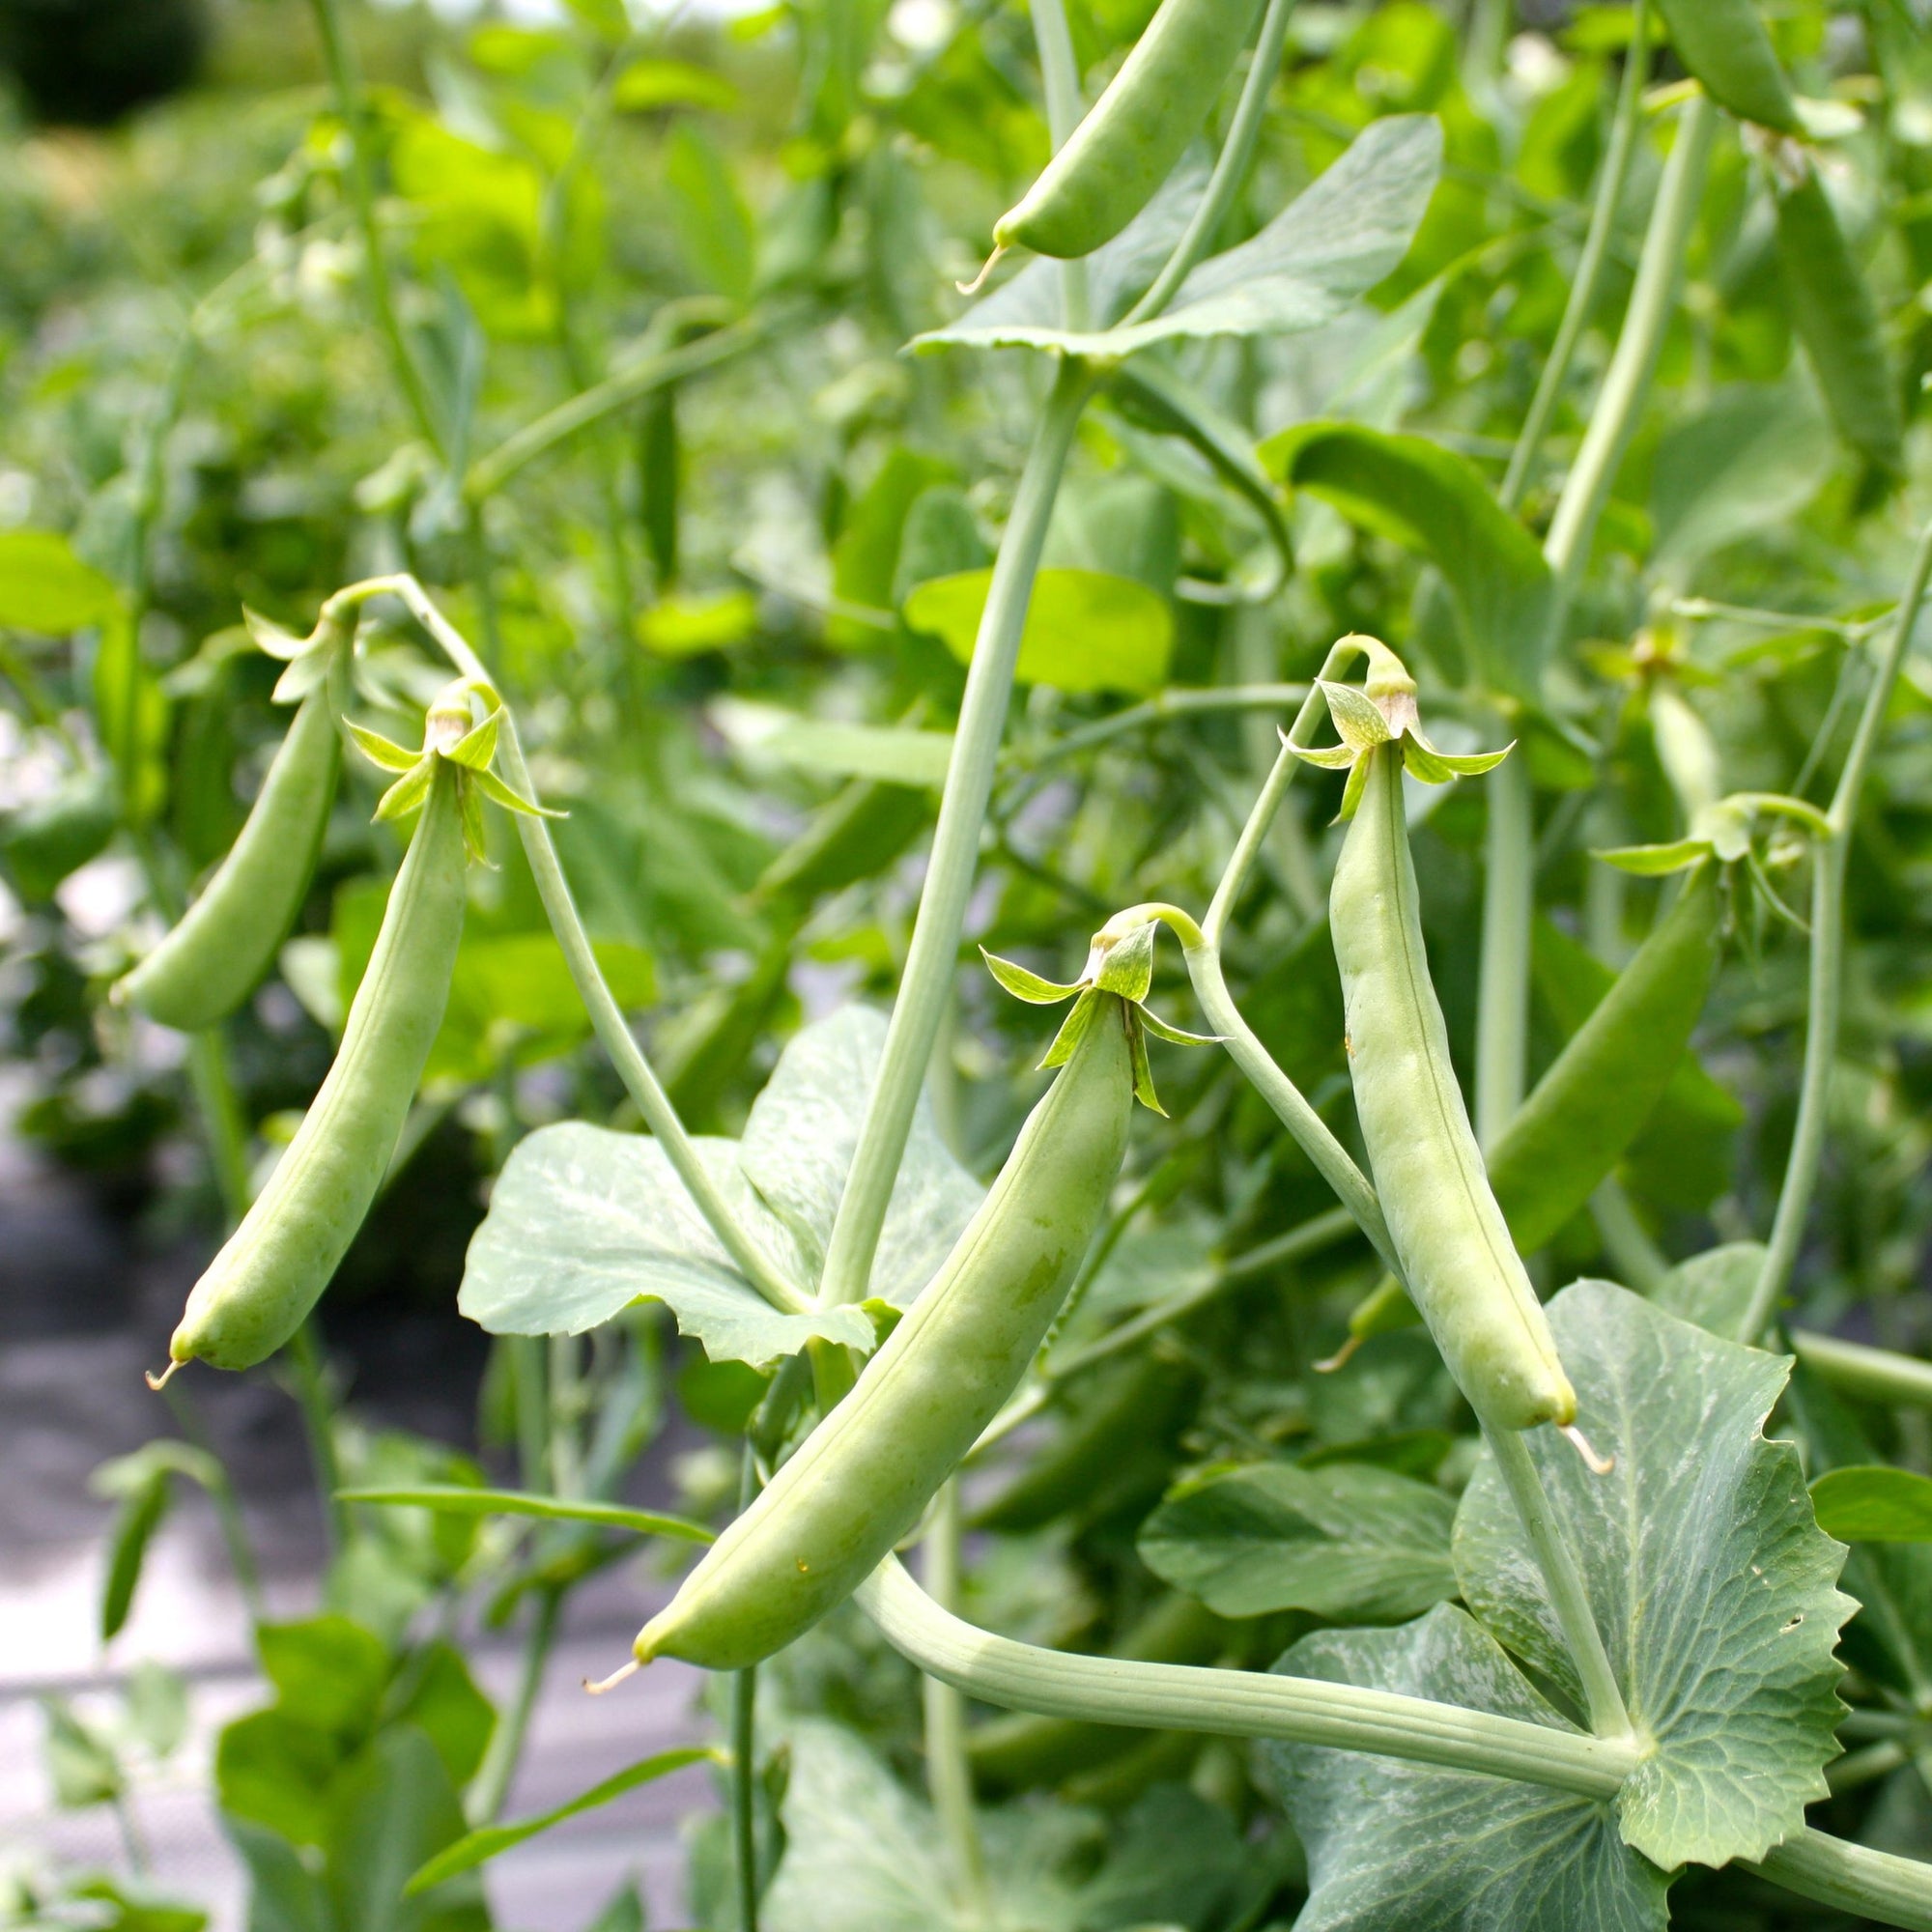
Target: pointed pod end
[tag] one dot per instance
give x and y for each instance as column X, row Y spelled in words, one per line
column 1598, row 1466
column 986, row 268
column 1339, row 1359
column 616, row 1678
column 158, row 1382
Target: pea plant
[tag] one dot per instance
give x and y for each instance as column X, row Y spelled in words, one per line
column 1459, row 1460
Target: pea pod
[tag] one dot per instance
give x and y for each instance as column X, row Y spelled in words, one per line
column 1449, row 1234
column 1837, row 319
column 863, row 1478
column 223, row 946
column 1131, row 137
column 276, row 1264
column 1725, row 45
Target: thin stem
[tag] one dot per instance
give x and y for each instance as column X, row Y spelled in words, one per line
column 1060, row 76
column 491, row 1786
column 1182, row 701
column 1828, row 964
column 1639, row 1262
column 1627, row 382
column 221, row 1492
column 1230, row 169
column 1231, row 1703
column 948, row 1776
column 1508, row 910
column 606, row 1017
column 1854, row 1879
column 319, row 1426
column 348, row 90
column 1609, row 1718
column 931, row 957
column 1871, row 1375
column 221, row 1119
column 1585, row 286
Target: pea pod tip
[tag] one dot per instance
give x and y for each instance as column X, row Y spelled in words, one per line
column 1598, row 1466
column 616, row 1678
column 986, row 268
column 157, row 1383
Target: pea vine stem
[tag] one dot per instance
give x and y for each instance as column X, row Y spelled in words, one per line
column 1831, row 855
column 932, row 956
column 606, row 1017
column 948, row 1772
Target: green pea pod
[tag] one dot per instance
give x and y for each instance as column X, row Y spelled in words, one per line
column 226, row 942
column 1145, row 1407
column 1725, row 46
column 863, row 1478
column 1605, row 1084
column 276, row 1264
column 1131, row 137
column 1449, row 1234
column 1837, row 319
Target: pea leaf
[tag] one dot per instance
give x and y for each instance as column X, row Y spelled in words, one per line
column 1874, row 1504
column 46, row 588
column 1347, row 1541
column 1086, row 630
column 1395, row 1847
column 1710, row 1579
column 1436, row 503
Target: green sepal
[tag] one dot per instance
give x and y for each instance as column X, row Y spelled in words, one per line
column 1137, row 1054
column 1357, row 718
column 470, row 809
column 498, row 793
column 1654, row 862
column 408, row 792
column 1422, row 760
column 1072, row 1031
column 384, row 752
column 1329, row 758
column 1179, row 1036
column 1352, row 792
column 478, row 747
column 1025, row 985
column 276, row 639
column 1126, row 967
column 303, row 674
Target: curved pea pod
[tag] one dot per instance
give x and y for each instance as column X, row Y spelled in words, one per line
column 1837, row 319
column 224, row 944
column 1605, row 1084
column 864, row 1477
column 1143, row 1410
column 1725, row 46
column 1449, row 1234
column 1131, row 137
column 276, row 1264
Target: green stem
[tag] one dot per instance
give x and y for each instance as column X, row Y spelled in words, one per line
column 606, row 1017
column 948, row 1776
column 1583, row 289
column 221, row 1118
column 1609, row 1718
column 227, row 1503
column 319, row 1426
column 931, row 957
column 1627, row 382
column 1182, row 701
column 745, row 1731
column 1852, row 1878
column 1508, row 910
column 348, row 90
column 1639, row 1262
column 1060, row 76
column 1869, row 1374
column 1231, row 1703
column 1230, row 169
column 1828, row 963
column 491, row 1786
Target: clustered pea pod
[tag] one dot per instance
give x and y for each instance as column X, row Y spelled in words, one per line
column 224, row 944
column 1837, row 318
column 1455, row 1248
column 274, row 1266
column 1725, row 46
column 1131, row 137
column 864, row 1475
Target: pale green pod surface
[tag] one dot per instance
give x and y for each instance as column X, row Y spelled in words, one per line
column 226, row 941
column 1725, row 45
column 1455, row 1248
column 864, row 1477
column 274, row 1266
column 1131, row 137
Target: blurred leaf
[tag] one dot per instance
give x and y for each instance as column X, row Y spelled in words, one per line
column 713, row 223
column 158, row 1707
column 650, row 84
column 1874, row 1504
column 81, row 1764
column 864, row 561
column 687, row 626
column 134, row 1524
column 392, row 1809
column 46, row 588
column 325, row 1672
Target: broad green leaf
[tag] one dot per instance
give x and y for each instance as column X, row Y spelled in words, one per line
column 284, row 1894
column 708, row 210
column 892, row 754
column 272, row 1772
column 1732, row 1683
column 646, row 85
column 1713, row 1289
column 326, row 1671
column 46, row 588
column 1347, row 1541
column 443, row 1701
column 687, row 626
column 584, row 1222
column 47, row 839
column 158, row 1707
column 1439, row 504
column 1398, row 1847
column 477, row 1847
column 1339, row 238
column 457, row 1500
column 1874, row 1504
column 392, row 1809
column 80, row 1763
column 865, row 558
column 1176, row 1862
column 1086, row 630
